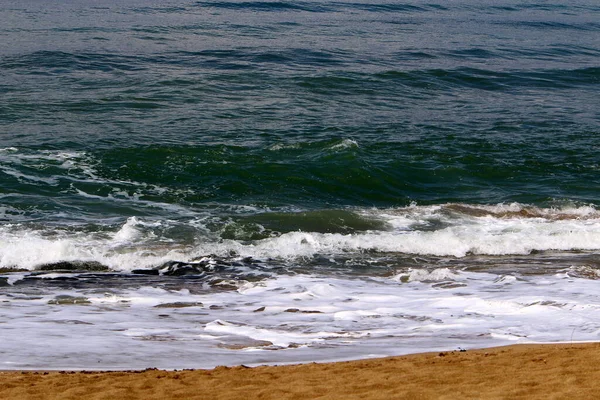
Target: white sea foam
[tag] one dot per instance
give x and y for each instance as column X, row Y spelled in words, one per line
column 433, row 231
column 306, row 317
column 127, row 249
column 78, row 168
column 284, row 146
column 423, row 275
column 123, row 197
column 39, row 160
column 485, row 236
column 276, row 337
column 130, row 231
column 344, row 144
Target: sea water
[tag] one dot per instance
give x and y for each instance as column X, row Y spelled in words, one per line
column 185, row 184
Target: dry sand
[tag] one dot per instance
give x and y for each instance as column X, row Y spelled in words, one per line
column 565, row 371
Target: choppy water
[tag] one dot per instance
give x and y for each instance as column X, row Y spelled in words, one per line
column 188, row 184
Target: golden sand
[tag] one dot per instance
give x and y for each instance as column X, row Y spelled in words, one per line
column 563, row 371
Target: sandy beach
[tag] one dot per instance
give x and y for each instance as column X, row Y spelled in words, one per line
column 554, row 371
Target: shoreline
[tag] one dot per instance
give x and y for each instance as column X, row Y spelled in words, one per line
column 517, row 371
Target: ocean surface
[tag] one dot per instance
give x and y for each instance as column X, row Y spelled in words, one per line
column 185, row 184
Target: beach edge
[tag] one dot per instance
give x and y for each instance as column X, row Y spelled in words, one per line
column 516, row 371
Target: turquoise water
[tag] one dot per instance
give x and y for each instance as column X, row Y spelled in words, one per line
column 360, row 140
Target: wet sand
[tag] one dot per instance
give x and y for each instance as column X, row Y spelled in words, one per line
column 556, row 371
